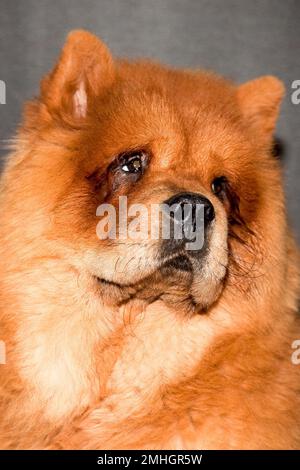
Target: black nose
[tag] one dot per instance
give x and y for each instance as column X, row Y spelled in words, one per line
column 188, row 204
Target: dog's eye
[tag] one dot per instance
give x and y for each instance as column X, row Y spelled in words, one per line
column 128, row 167
column 133, row 163
column 219, row 186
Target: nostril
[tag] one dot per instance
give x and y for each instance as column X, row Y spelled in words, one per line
column 178, row 203
column 209, row 212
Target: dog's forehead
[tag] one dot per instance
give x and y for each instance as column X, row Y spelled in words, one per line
column 168, row 109
column 167, row 92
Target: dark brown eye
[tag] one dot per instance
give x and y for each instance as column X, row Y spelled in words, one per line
column 219, row 186
column 133, row 163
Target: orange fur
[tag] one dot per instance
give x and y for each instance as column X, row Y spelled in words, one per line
column 98, row 366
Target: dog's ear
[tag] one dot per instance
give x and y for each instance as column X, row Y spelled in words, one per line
column 84, row 70
column 260, row 101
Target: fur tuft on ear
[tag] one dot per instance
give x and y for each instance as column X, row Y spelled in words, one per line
column 259, row 101
column 84, row 70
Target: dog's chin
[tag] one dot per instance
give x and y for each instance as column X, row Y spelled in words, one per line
column 180, row 281
column 189, row 282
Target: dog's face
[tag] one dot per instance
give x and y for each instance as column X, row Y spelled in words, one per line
column 108, row 129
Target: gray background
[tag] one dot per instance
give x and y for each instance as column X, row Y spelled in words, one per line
column 240, row 39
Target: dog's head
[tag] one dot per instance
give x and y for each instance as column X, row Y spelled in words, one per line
column 189, row 146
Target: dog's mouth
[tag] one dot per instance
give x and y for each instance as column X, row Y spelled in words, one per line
column 180, row 262
column 176, row 281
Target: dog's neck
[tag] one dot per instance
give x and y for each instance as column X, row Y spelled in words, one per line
column 72, row 350
column 73, row 353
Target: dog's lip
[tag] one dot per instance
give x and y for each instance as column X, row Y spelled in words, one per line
column 107, row 282
column 180, row 262
column 165, row 262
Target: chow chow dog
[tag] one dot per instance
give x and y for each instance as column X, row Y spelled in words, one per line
column 143, row 344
